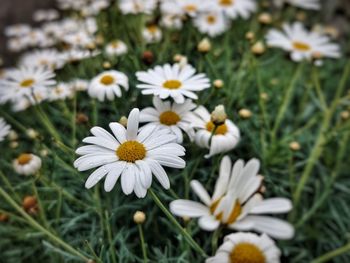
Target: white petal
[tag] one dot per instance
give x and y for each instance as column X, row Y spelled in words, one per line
column 113, row 175
column 133, row 124
column 208, row 223
column 200, row 191
column 159, row 173
column 128, row 180
column 188, row 208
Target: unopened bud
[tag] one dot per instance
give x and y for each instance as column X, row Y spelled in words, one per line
column 245, row 113
column 218, row 83
column 123, row 121
column 32, row 134
column 294, row 146
column 218, row 116
column 258, row 48
column 265, row 18
column 204, row 46
column 139, row 217
column 106, row 65
column 250, row 35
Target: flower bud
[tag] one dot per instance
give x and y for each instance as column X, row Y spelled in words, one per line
column 204, row 46
column 265, row 18
column 139, row 217
column 123, row 121
column 219, row 116
column 245, row 113
column 218, row 83
column 258, row 48
column 294, row 146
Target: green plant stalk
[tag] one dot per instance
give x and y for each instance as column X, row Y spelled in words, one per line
column 143, row 245
column 332, row 254
column 38, row 227
column 172, row 219
column 9, row 186
column 321, row 139
column 40, row 206
column 286, row 100
column 109, row 236
column 13, row 121
column 47, row 123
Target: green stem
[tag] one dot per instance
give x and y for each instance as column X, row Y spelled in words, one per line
column 321, row 139
column 286, row 101
column 143, row 245
column 172, row 219
column 332, row 254
column 37, row 226
column 109, row 236
column 10, row 187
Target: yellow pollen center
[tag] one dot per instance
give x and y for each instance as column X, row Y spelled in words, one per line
column 169, row 118
column 226, row 2
column 107, row 80
column 24, row 158
column 27, row 83
column 301, row 46
column 190, row 8
column 131, row 151
column 211, row 19
column 247, row 253
column 115, row 44
column 221, row 129
column 235, row 213
column 172, row 84
column 152, row 29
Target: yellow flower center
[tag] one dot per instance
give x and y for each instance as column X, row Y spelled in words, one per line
column 107, row 80
column 301, row 46
column 237, row 210
column 247, row 253
column 211, row 19
column 221, row 129
column 24, row 158
column 115, row 44
column 226, row 2
column 131, row 151
column 152, row 29
column 169, row 118
column 27, row 83
column 190, row 8
column 172, row 84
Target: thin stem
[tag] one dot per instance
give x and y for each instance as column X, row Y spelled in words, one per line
column 172, row 219
column 332, row 254
column 109, row 236
column 321, row 139
column 37, row 226
column 143, row 245
column 286, row 101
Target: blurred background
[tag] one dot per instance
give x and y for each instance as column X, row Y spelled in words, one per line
column 335, row 13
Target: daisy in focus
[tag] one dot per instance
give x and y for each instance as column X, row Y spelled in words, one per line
column 27, row 164
column 107, row 85
column 172, row 116
column 236, row 8
column 132, row 154
column 236, row 203
column 172, row 81
column 4, row 129
column 302, row 44
column 26, row 84
column 217, row 138
column 246, row 248
column 116, row 48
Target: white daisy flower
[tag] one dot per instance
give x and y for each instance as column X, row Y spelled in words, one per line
column 45, row 15
column 61, row 91
column 79, row 39
column 16, row 44
column 193, row 7
column 225, row 138
column 301, row 43
column 27, row 164
column 116, row 48
column 212, row 23
column 237, row 8
column 131, row 154
column 37, row 37
column 49, row 58
column 235, row 202
column 137, row 6
column 304, row 4
column 172, row 116
column 247, row 248
column 26, row 83
column 171, row 21
column 17, row 30
column 4, row 129
column 172, row 81
column 152, row 34
column 79, row 84
column 77, row 54
column 107, row 85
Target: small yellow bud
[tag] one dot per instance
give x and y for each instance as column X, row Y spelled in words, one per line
column 218, row 116
column 139, row 217
column 250, row 35
column 265, row 18
column 258, row 48
column 245, row 113
column 204, row 46
column 123, row 121
column 264, row 96
column 106, row 65
column 177, row 57
column 345, row 115
column 44, row 153
column 294, row 146
column 14, row 144
column 274, row 82
column 32, row 134
column 12, row 135
column 218, row 83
